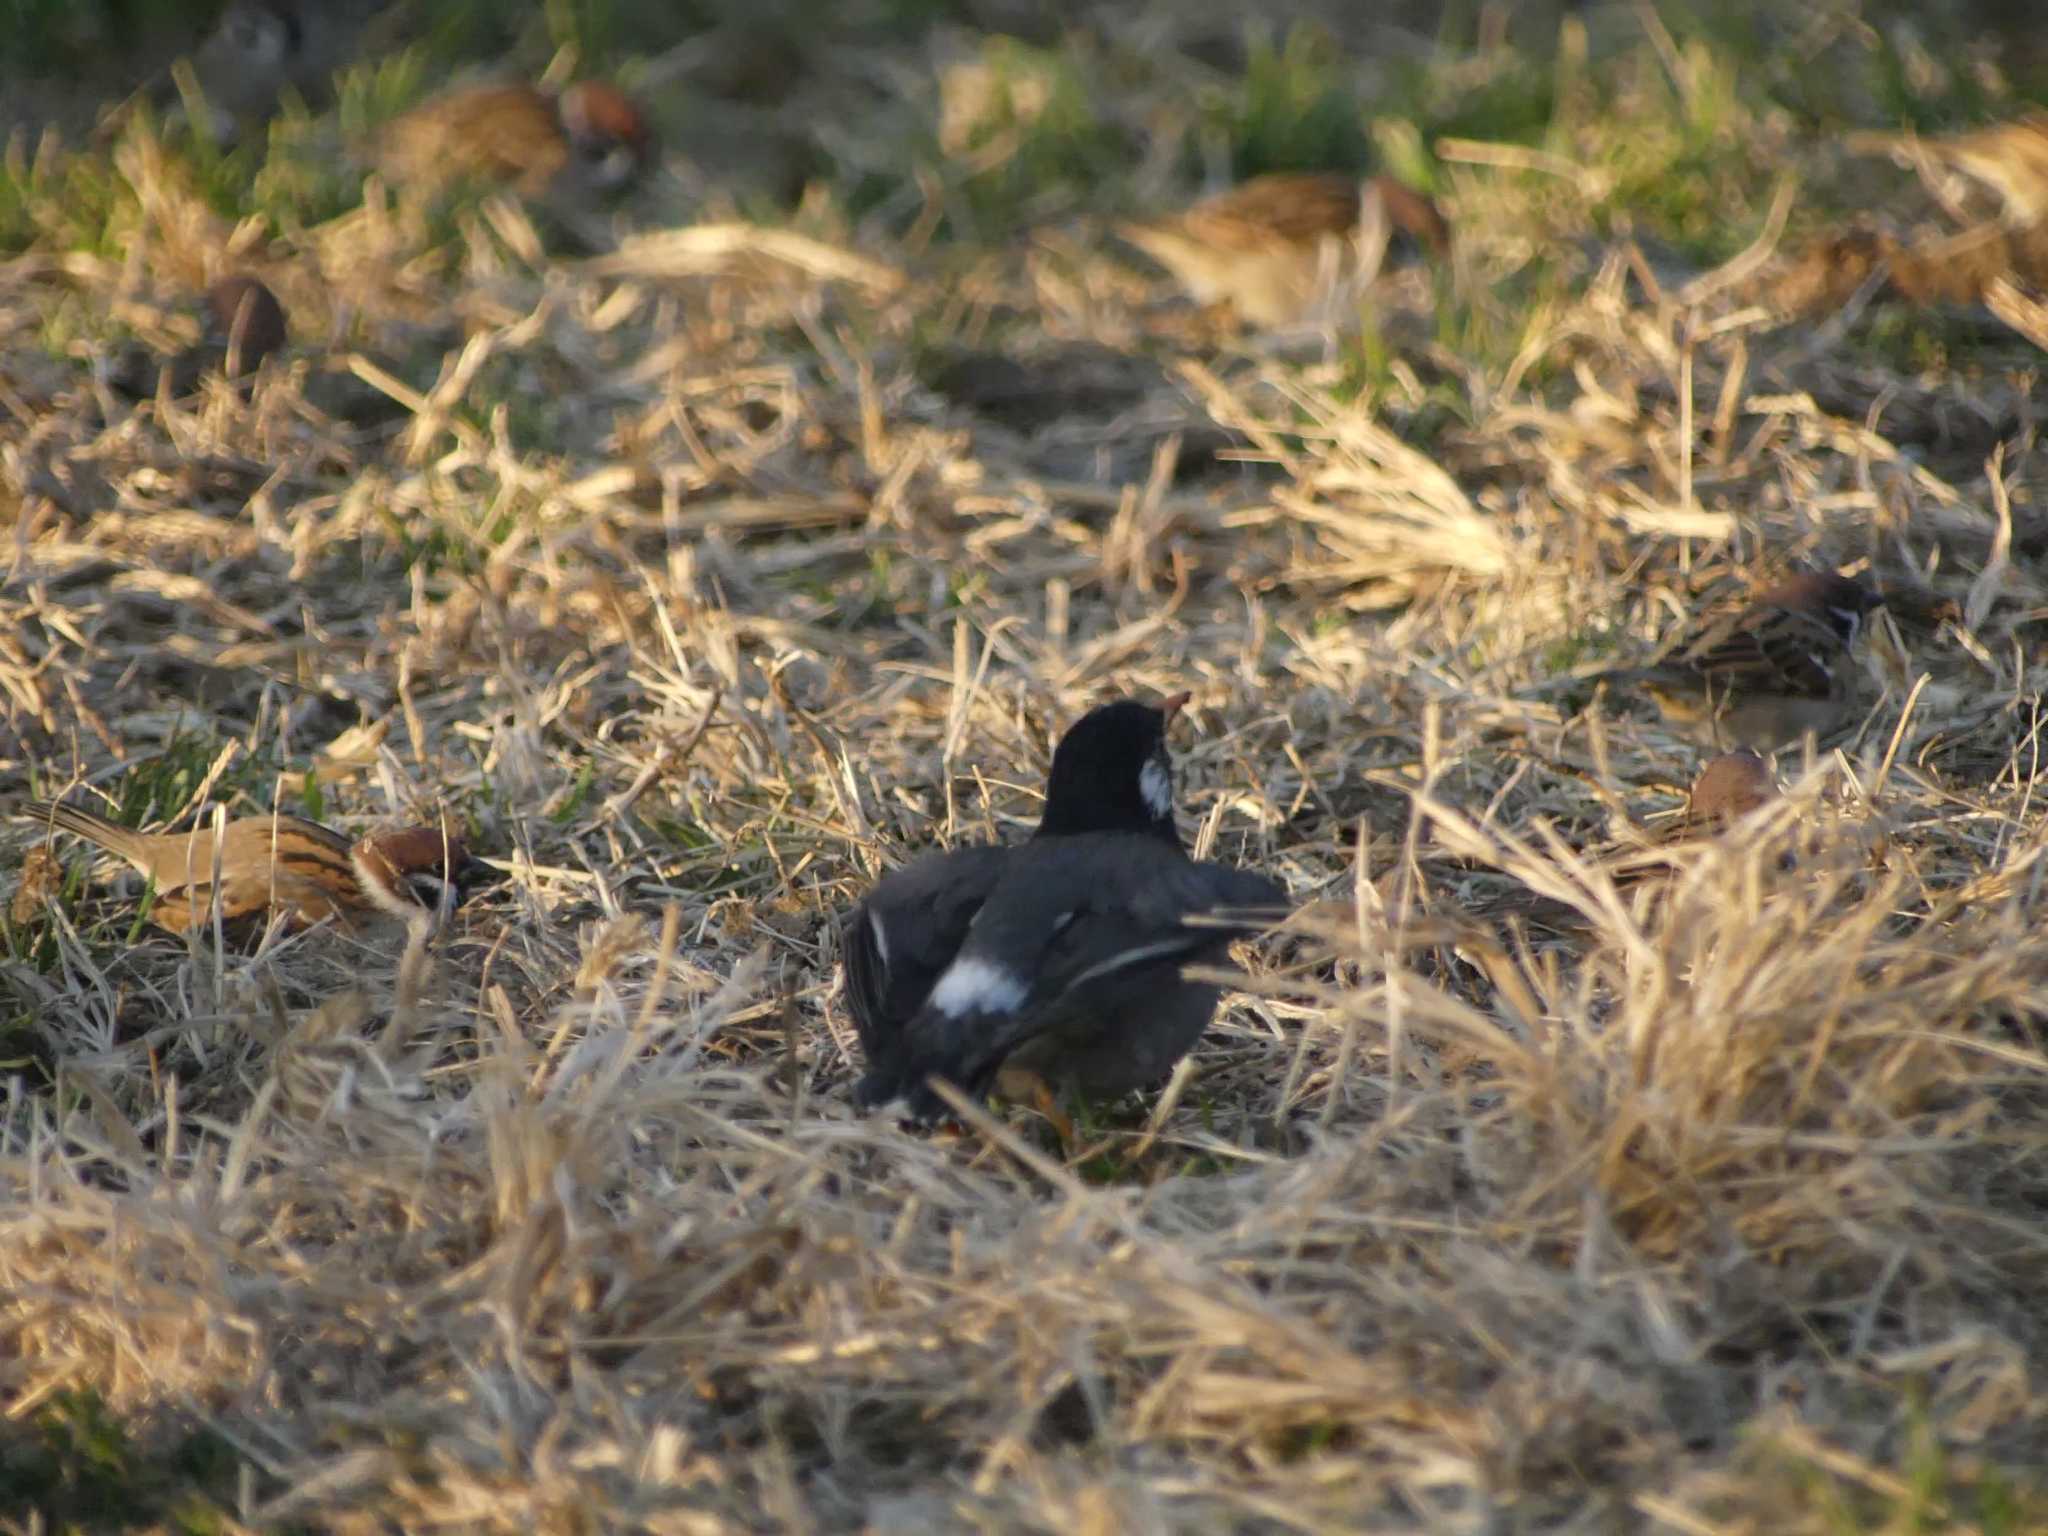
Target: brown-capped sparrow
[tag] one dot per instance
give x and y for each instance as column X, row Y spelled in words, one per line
column 1993, row 263
column 242, row 325
column 260, row 48
column 2011, row 159
column 1282, row 248
column 280, row 865
column 567, row 148
column 1767, row 674
column 245, row 321
column 1727, row 789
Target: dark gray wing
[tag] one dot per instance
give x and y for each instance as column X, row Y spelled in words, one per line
column 1080, row 944
column 903, row 935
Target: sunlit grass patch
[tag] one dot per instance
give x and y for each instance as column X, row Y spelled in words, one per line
column 62, row 197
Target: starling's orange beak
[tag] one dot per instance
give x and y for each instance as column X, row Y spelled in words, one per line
column 1169, row 707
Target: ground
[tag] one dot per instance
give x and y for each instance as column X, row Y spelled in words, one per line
column 706, row 572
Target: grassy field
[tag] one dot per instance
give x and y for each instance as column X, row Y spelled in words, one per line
column 706, row 577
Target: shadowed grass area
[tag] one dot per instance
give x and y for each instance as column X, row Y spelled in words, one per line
column 50, row 36
column 79, row 1467
column 701, row 568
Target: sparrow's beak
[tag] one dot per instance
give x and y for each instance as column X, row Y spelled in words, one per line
column 1169, row 707
column 470, row 875
column 446, row 890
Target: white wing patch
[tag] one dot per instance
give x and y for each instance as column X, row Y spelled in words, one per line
column 1155, row 783
column 881, row 938
column 972, row 985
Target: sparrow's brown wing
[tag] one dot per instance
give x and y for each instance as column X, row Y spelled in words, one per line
column 291, row 842
column 501, row 133
column 1783, row 650
column 1298, row 208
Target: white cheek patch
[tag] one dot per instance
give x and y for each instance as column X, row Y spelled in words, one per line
column 975, row 986
column 1155, row 784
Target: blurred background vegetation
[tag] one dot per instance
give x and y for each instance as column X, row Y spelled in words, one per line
column 784, row 94
column 957, row 124
column 1304, row 64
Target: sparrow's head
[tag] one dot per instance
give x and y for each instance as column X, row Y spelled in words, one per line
column 1840, row 601
column 243, row 315
column 256, row 35
column 1729, row 788
column 393, row 867
column 608, row 137
column 253, row 51
column 1110, row 772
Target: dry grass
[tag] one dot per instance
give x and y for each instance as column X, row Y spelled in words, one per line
column 1716, row 1208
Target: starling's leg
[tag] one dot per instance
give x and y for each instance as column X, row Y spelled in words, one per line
column 1024, row 1086
column 1047, row 1103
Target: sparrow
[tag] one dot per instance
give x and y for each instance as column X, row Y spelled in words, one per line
column 2010, row 159
column 278, row 865
column 1766, row 675
column 1278, row 247
column 245, row 321
column 243, row 325
column 566, row 148
column 1058, row 960
column 1727, row 788
column 1991, row 264
column 258, row 49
